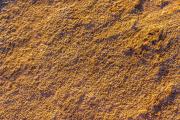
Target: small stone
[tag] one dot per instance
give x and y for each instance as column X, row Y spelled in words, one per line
column 1, row 43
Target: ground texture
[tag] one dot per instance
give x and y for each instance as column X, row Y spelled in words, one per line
column 89, row 60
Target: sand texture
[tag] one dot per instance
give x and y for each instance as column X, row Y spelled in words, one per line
column 89, row 60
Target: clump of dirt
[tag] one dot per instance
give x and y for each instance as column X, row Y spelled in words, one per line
column 89, row 59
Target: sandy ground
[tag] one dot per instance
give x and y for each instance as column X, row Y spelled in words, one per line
column 89, row 60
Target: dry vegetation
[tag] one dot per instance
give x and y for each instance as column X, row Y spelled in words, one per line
column 89, row 60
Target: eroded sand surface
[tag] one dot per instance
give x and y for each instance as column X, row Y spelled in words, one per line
column 89, row 60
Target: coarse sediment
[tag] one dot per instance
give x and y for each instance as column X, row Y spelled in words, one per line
column 89, row 59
